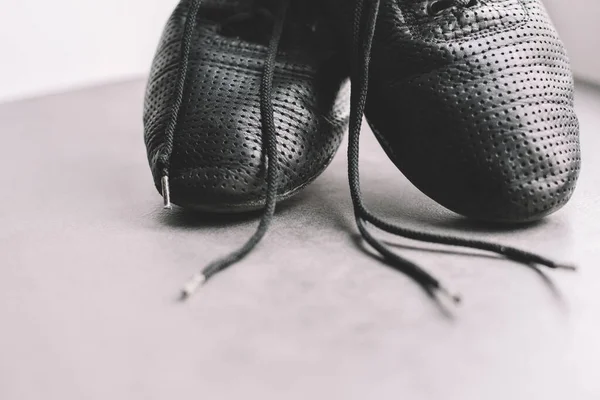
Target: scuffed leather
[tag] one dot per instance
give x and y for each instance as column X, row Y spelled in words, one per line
column 217, row 162
column 475, row 105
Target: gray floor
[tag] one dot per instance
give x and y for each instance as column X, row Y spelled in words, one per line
column 91, row 267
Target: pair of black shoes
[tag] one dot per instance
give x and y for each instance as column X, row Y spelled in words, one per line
column 248, row 101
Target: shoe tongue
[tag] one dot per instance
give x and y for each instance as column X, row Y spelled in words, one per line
column 253, row 20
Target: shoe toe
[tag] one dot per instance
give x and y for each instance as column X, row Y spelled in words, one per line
column 218, row 163
column 516, row 167
column 510, row 154
column 513, row 163
column 488, row 127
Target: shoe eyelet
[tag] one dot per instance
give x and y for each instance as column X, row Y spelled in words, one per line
column 437, row 7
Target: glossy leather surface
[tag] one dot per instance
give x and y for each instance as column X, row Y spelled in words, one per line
column 216, row 162
column 475, row 105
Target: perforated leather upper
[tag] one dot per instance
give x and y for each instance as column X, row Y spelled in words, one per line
column 475, row 105
column 216, row 161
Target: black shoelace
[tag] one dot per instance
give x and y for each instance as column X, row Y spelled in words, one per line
column 269, row 141
column 363, row 33
column 365, row 20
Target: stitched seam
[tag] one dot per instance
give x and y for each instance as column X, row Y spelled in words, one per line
column 282, row 70
column 225, row 41
column 288, row 65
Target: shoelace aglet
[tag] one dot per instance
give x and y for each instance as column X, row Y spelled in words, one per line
column 567, row 267
column 192, row 286
column 456, row 298
column 166, row 193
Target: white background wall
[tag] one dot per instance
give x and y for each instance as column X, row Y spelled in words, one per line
column 52, row 45
column 578, row 22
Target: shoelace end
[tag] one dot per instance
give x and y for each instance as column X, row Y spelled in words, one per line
column 192, row 286
column 567, row 267
column 166, row 192
column 454, row 297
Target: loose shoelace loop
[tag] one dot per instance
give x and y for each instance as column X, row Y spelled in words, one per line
column 365, row 21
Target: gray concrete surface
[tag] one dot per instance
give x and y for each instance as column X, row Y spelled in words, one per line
column 91, row 267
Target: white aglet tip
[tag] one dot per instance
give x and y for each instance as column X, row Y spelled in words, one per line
column 567, row 267
column 192, row 286
column 166, row 192
column 455, row 297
